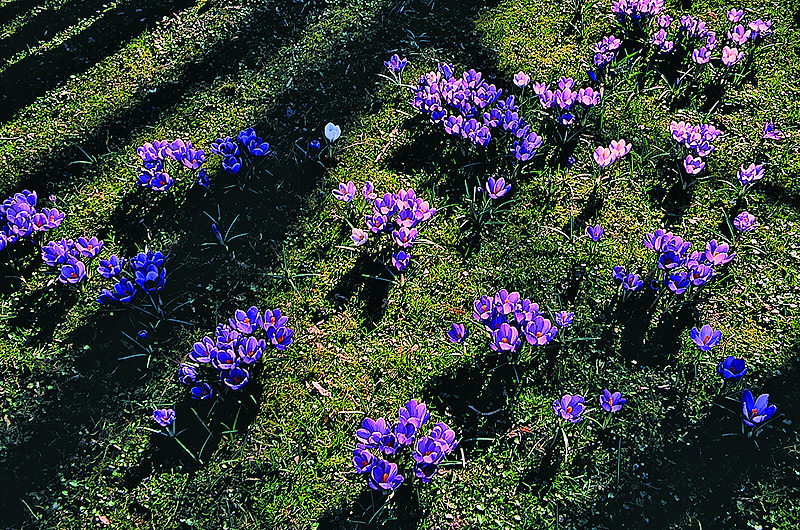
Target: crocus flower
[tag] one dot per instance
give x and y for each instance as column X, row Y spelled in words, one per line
column 425, row 472
column 332, row 132
column 521, row 79
column 505, row 338
column 274, row 319
column 756, row 411
column 564, row 318
column 739, row 34
column 604, row 156
column 204, row 351
column 414, row 412
column 111, row 267
column 88, row 248
column 731, row 56
column 225, row 359
column 164, row 417
column 540, row 331
column 202, row 391
column 395, row 63
column 235, row 378
column 570, row 407
column 750, row 174
column 769, row 132
column 368, row 191
column 595, row 233
column 457, row 334
column 428, row 451
column 246, row 321
column 314, row 145
column 732, row 368
column 701, row 55
column 678, row 282
column 611, row 402
column 72, row 272
column 404, row 237
column 371, row 431
column 281, row 337
column 358, row 236
column 718, row 253
column 400, row 260
column 497, row 188
column 384, row 475
column 444, row 436
column 151, row 278
column 187, row 374
column 363, row 460
column 734, row 15
column 631, row 282
column 346, row 192
column 404, row 433
column 124, row 290
column 744, row 222
column 706, row 337
column 250, row 349
column 620, row 148
column 693, row 165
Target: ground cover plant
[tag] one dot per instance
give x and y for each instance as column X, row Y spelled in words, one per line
column 399, row 264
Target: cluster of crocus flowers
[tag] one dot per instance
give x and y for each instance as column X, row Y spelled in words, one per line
column 469, row 107
column 396, row 214
column 509, row 319
column 571, row 408
column 156, row 172
column 143, row 273
column 381, row 445
column 605, row 156
column 72, row 257
column 238, row 152
column 605, row 51
column 20, row 219
column 636, row 12
column 235, row 349
column 565, row 102
column 697, row 139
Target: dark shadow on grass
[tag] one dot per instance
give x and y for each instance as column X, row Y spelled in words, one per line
column 16, row 8
column 371, row 510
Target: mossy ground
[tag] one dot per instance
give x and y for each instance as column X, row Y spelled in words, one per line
column 99, row 82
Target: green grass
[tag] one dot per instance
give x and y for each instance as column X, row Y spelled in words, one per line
column 74, row 441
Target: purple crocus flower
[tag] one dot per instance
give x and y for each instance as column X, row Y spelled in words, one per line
column 632, row 283
column 744, row 222
column 88, row 248
column 404, row 237
column 678, row 282
column 388, row 444
column 482, row 308
column 734, row 15
column 404, row 433
column 164, row 417
column 53, row 218
column 540, row 331
column 273, row 319
column 718, row 253
column 618, row 272
column 706, row 337
column 595, row 233
column 363, row 460
column 111, row 267
column 400, row 260
column 425, row 472
column 604, row 156
column 732, row 368
column 151, row 278
column 203, row 351
column 769, row 132
column 669, row 260
column 250, row 349
column 444, row 436
column 235, row 378
column 414, row 412
column 395, row 63
column 521, row 79
column 699, row 273
column 346, row 192
column 739, row 34
column 756, row 411
column 564, row 318
column 225, row 359
column 611, row 402
column 72, row 272
column 693, row 165
column 428, row 451
column 570, row 407
column 124, row 290
column 371, row 431
column 701, row 55
column 458, row 333
column 246, row 322
column 750, row 174
column 359, row 237
column 187, row 374
column 731, row 56
column 497, row 188
column 281, row 337
column 505, row 338
column 506, row 302
column 202, row 391
column 384, row 475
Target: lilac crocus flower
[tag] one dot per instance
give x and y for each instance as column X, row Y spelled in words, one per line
column 404, row 237
column 457, row 334
column 611, row 402
column 225, row 359
column 595, row 233
column 164, row 417
column 124, row 290
column 756, row 411
column 281, row 337
column 428, row 451
column 701, row 55
column 693, row 165
column 72, row 272
column 274, row 319
column 371, row 431
column 88, row 248
column 187, row 374
column 400, row 260
column 744, row 222
column 235, row 378
column 363, row 460
column 734, row 15
column 620, row 148
column 202, row 391
column 414, row 412
column 678, row 282
column 570, row 408
column 404, row 433
column 750, row 174
column 246, row 321
column 384, row 475
column 358, row 236
column 444, row 436
column 505, row 338
column 425, row 472
column 632, row 283
column 151, row 278
column 564, row 318
column 203, row 351
column 395, row 63
column 497, row 188
column 540, row 331
column 769, row 132
column 346, row 192
column 368, row 191
column 739, row 34
column 521, row 79
column 111, row 267
column 706, row 337
column 618, row 273
column 250, row 349
column 718, row 253
column 731, row 56
column 53, row 217
column 732, row 368
column 604, row 156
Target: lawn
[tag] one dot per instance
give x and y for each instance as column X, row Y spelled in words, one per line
column 84, row 84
